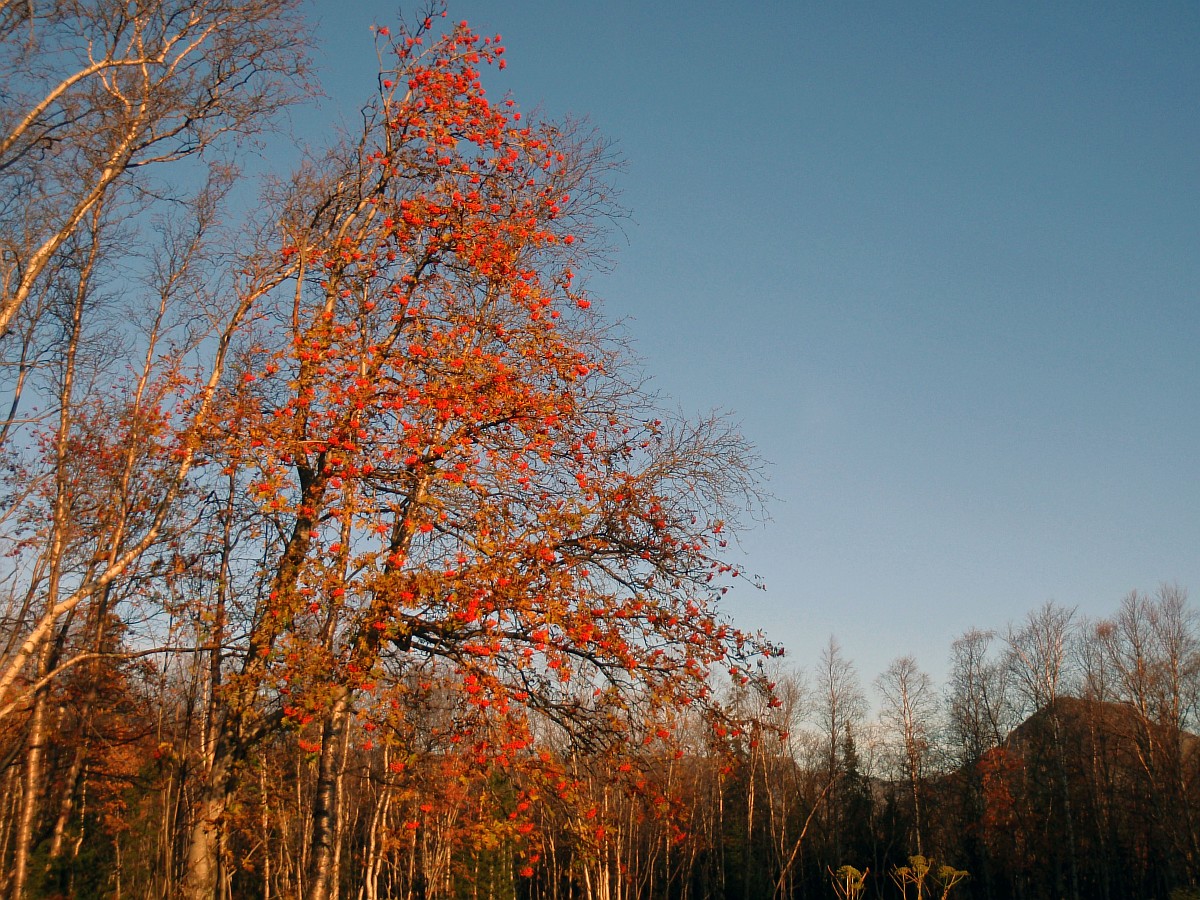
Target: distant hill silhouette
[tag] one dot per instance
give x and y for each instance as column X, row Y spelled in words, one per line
column 1116, row 728
column 1085, row 798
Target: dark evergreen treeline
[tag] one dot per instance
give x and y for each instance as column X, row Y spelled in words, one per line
column 1057, row 762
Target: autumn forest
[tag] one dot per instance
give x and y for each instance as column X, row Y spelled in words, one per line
column 348, row 555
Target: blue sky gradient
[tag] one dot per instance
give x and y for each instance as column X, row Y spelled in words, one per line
column 942, row 262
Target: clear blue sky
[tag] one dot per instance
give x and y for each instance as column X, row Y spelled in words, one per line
column 942, row 261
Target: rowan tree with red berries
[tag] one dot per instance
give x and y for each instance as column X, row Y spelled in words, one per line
column 457, row 478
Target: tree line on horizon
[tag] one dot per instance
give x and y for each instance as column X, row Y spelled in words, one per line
column 1059, row 760
column 346, row 553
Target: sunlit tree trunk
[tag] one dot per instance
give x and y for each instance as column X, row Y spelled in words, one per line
column 375, row 854
column 31, row 784
column 322, row 872
column 203, row 864
column 54, row 561
column 67, row 804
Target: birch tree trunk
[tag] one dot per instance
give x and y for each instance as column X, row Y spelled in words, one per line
column 321, row 861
